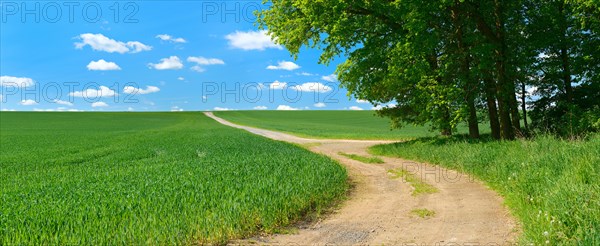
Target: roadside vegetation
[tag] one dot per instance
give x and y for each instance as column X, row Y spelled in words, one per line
column 151, row 178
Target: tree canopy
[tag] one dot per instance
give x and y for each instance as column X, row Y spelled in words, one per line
column 449, row 61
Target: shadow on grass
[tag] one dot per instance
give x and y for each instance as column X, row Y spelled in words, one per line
column 444, row 140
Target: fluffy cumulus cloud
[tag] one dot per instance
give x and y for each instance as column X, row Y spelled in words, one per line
column 28, row 102
column 167, row 37
column 205, row 61
column 140, row 91
column 286, row 107
column 181, row 78
column 260, row 108
column 330, row 78
column 102, row 65
column 284, row 65
column 21, row 82
column 312, row 87
column 361, row 101
column 355, row 108
column 99, row 105
column 251, row 40
column 100, row 42
column 320, row 105
column 176, row 109
column 202, row 61
column 61, row 102
column 277, row 85
column 170, row 63
column 103, row 91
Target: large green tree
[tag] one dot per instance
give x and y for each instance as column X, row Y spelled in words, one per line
column 443, row 61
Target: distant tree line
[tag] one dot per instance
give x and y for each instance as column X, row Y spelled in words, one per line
column 444, row 62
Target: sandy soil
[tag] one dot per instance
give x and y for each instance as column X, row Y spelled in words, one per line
column 379, row 209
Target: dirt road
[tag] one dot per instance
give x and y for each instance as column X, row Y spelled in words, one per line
column 382, row 210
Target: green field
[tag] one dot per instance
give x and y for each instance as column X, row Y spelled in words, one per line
column 325, row 124
column 552, row 186
column 150, row 178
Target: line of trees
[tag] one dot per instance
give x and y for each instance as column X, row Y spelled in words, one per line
column 443, row 62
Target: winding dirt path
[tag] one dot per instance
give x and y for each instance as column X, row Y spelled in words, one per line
column 380, row 208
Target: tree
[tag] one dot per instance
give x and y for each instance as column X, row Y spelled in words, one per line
column 442, row 60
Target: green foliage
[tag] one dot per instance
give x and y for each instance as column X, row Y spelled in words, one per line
column 151, row 178
column 551, row 114
column 440, row 61
column 551, row 185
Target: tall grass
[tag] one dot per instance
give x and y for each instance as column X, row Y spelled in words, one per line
column 551, row 185
column 150, row 178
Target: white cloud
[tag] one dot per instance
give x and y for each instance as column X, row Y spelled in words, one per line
column 130, row 109
column 166, row 37
column 355, row 108
column 379, row 107
column 176, row 109
column 199, row 60
column 286, row 107
column 277, row 85
column 100, row 42
column 330, row 78
column 28, row 102
column 198, row 69
column 284, row 65
column 170, row 63
column 59, row 109
column 22, row 82
column 140, row 91
column 260, row 108
column 61, row 102
column 6, row 109
column 138, row 47
column 312, row 87
column 305, row 74
column 103, row 65
column 181, row 78
column 361, row 101
column 221, row 109
column 251, row 40
column 103, row 91
column 99, row 105
column 320, row 105
column 205, row 61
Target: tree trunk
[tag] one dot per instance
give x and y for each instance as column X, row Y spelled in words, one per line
column 446, row 128
column 514, row 110
column 490, row 92
column 524, row 105
column 503, row 86
column 564, row 53
column 470, row 86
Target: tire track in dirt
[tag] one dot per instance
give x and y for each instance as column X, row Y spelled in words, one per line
column 380, row 208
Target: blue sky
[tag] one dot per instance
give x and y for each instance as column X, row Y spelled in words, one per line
column 154, row 56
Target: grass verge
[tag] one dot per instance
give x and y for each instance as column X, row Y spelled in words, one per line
column 419, row 186
column 363, row 159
